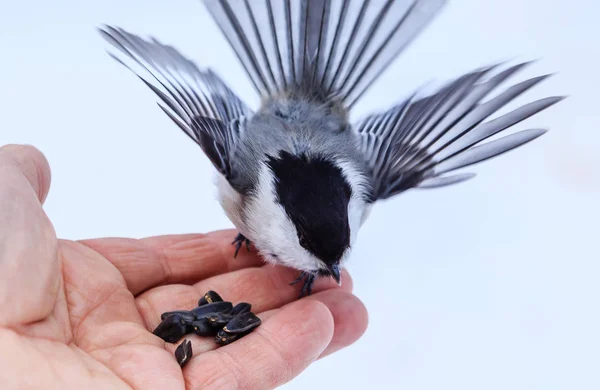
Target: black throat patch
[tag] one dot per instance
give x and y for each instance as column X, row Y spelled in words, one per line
column 315, row 195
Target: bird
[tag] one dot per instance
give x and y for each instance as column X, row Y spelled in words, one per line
column 296, row 175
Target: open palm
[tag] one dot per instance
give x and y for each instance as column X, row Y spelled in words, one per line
column 80, row 314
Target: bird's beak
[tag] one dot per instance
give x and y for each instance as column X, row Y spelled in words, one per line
column 334, row 270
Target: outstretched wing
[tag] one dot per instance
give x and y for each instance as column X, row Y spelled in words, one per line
column 198, row 101
column 414, row 144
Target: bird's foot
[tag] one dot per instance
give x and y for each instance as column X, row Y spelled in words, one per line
column 239, row 240
column 309, row 280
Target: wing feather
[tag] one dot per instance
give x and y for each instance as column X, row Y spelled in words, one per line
column 413, row 144
column 196, row 100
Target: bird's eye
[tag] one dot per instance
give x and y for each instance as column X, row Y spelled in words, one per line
column 302, row 240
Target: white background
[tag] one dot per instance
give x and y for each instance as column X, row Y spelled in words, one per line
column 492, row 284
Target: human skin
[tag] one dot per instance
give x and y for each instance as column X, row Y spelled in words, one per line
column 79, row 314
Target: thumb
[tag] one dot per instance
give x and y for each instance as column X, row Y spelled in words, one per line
column 29, row 267
column 32, row 164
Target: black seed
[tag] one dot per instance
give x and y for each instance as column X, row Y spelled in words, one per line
column 203, row 328
column 184, row 352
column 186, row 315
column 224, row 338
column 241, row 308
column 217, row 307
column 171, row 329
column 218, row 320
column 242, row 323
column 210, row 297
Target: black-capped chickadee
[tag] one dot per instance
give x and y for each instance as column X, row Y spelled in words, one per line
column 295, row 176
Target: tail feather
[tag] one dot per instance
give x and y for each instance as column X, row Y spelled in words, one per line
column 333, row 49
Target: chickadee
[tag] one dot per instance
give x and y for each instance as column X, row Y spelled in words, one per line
column 295, row 176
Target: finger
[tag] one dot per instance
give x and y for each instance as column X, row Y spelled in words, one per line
column 155, row 261
column 349, row 315
column 31, row 164
column 265, row 288
column 29, row 268
column 277, row 351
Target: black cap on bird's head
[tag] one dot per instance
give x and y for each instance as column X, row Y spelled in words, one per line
column 315, row 195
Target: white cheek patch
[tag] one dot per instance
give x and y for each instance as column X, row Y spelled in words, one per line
column 272, row 231
column 356, row 206
column 355, row 212
column 231, row 202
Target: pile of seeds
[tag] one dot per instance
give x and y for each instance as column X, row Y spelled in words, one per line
column 212, row 317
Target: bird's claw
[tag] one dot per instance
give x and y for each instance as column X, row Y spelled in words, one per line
column 238, row 241
column 309, row 280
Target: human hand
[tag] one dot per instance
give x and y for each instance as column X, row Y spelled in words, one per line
column 80, row 314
